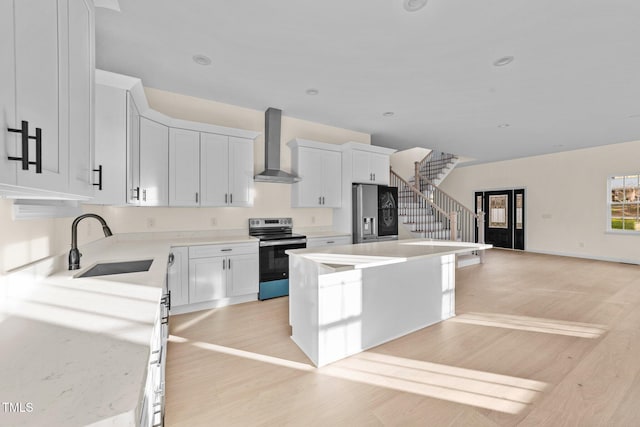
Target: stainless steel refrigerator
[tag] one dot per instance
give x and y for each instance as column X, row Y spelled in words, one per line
column 375, row 213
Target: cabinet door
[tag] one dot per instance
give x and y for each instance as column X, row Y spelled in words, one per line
column 81, row 97
column 242, row 274
column 154, row 163
column 214, row 169
column 38, row 91
column 310, row 187
column 133, row 150
column 178, row 276
column 111, row 145
column 8, row 141
column 379, row 166
column 332, row 179
column 184, row 170
column 360, row 167
column 207, row 279
column 240, row 172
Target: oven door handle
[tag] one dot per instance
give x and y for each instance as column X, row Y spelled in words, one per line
column 282, row 242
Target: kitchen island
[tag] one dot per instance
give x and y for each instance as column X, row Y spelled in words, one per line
column 346, row 299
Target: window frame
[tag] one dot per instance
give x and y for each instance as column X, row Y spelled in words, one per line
column 610, row 204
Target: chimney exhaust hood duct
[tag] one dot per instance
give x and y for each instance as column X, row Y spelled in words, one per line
column 272, row 172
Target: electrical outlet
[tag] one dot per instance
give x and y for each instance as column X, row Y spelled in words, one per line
column 313, row 219
column 151, row 222
column 581, row 244
column 213, row 221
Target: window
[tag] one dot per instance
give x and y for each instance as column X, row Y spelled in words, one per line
column 624, row 203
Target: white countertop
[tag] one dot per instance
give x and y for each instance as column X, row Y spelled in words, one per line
column 78, row 349
column 366, row 255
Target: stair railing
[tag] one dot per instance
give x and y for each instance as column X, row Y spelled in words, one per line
column 466, row 218
column 433, row 163
column 427, row 218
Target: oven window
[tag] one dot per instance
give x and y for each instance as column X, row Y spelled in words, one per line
column 274, row 262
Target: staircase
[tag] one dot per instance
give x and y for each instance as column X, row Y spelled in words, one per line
column 428, row 212
column 437, row 165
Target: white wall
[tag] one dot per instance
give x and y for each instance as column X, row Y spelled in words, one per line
column 403, row 162
column 565, row 201
column 25, row 241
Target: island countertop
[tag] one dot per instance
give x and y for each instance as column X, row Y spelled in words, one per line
column 365, row 255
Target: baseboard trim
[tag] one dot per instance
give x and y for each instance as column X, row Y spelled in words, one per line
column 585, row 256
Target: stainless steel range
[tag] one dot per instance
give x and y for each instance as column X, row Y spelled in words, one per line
column 276, row 236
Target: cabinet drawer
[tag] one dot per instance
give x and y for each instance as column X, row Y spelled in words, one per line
column 328, row 241
column 205, row 251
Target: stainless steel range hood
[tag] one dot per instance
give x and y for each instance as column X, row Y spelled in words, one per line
column 272, row 172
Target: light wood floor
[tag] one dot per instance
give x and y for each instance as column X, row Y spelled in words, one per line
column 537, row 341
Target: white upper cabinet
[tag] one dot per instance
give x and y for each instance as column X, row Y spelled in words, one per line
column 8, row 141
column 161, row 161
column 240, row 172
column 154, row 163
column 111, row 146
column 214, row 169
column 50, row 49
column 369, row 163
column 132, row 150
column 184, row 167
column 226, row 170
column 319, row 166
column 81, row 101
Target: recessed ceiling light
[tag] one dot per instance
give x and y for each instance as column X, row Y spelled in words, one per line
column 388, row 114
column 201, row 59
column 414, row 5
column 504, row 125
column 505, row 60
column 312, row 91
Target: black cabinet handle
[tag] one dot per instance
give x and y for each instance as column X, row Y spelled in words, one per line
column 24, row 131
column 38, row 162
column 99, row 184
column 230, row 198
column 226, row 198
column 24, row 142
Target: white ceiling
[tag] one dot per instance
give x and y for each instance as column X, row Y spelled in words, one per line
column 575, row 80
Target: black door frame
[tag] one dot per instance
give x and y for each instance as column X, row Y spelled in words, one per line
column 513, row 236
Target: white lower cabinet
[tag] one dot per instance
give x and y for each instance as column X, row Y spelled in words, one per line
column 177, row 275
column 315, row 242
column 207, row 279
column 153, row 401
column 208, row 276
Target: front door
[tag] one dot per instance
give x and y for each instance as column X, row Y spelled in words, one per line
column 504, row 217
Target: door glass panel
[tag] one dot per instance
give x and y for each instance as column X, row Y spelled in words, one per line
column 498, row 211
column 519, row 211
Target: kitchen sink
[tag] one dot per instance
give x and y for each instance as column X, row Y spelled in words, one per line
column 108, row 268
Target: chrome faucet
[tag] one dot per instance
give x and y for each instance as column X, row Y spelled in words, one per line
column 74, row 253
